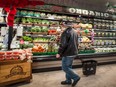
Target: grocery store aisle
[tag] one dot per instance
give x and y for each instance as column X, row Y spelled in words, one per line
column 105, row 77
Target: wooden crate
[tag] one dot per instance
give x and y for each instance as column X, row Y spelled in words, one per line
column 13, row 71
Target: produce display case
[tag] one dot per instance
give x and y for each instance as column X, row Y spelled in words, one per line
column 42, row 30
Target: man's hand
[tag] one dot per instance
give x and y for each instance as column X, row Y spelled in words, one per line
column 57, row 55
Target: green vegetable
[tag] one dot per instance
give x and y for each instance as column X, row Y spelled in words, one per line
column 18, row 13
column 33, row 29
column 29, row 20
column 39, row 21
column 27, row 38
column 86, row 31
column 17, row 20
column 44, row 29
column 38, row 29
column 30, row 13
column 23, row 13
column 24, row 20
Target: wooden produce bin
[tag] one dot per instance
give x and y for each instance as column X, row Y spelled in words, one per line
column 13, row 71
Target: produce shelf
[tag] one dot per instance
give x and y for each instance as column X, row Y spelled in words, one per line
column 32, row 24
column 82, row 36
column 40, row 33
column 43, row 33
column 104, row 37
column 86, row 51
column 47, row 19
column 44, row 53
column 84, row 42
column 46, row 36
column 44, row 42
column 27, row 32
column 104, row 45
column 106, row 30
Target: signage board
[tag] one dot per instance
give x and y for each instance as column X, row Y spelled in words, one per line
column 52, row 8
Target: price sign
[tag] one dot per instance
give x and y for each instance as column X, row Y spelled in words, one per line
column 20, row 31
column 4, row 30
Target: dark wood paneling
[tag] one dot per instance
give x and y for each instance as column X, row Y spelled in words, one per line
column 98, row 5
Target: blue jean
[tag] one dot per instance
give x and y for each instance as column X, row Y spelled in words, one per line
column 67, row 68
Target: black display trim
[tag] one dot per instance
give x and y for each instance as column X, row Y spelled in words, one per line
column 3, row 24
column 104, row 38
column 80, row 56
column 102, row 46
column 105, row 30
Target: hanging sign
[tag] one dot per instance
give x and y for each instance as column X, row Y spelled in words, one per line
column 61, row 9
column 87, row 12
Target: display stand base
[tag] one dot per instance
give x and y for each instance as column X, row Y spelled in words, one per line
column 14, row 71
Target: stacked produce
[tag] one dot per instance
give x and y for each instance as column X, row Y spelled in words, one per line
column 103, row 24
column 105, row 34
column 41, row 39
column 39, row 29
column 16, row 54
column 101, row 50
column 44, row 15
column 52, row 31
column 86, row 38
column 27, row 38
column 34, row 21
column 26, row 45
column 53, row 47
column 86, row 26
column 39, row 48
column 39, row 26
column 85, row 29
column 104, row 42
column 86, row 48
column 44, row 49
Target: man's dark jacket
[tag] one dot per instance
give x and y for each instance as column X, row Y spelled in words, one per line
column 68, row 43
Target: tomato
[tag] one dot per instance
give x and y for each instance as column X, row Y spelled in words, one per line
column 8, row 52
column 2, row 53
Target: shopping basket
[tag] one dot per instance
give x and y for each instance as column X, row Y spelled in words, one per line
column 89, row 67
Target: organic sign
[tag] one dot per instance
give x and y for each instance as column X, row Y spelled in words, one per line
column 52, row 8
column 89, row 13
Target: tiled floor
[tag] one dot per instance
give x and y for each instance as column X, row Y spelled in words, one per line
column 105, row 77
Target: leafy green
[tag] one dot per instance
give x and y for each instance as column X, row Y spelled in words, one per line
column 27, row 38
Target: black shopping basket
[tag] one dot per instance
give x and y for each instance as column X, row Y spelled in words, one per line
column 89, row 67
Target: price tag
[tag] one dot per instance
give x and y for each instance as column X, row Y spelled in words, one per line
column 4, row 30
column 20, row 31
column 29, row 25
column 28, row 34
column 15, row 26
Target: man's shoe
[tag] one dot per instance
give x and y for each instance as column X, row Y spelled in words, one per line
column 66, row 83
column 75, row 82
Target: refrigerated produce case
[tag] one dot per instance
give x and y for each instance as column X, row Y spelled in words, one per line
column 42, row 30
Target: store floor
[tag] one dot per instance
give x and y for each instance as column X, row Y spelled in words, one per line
column 105, row 77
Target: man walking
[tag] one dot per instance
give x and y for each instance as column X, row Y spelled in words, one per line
column 68, row 50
